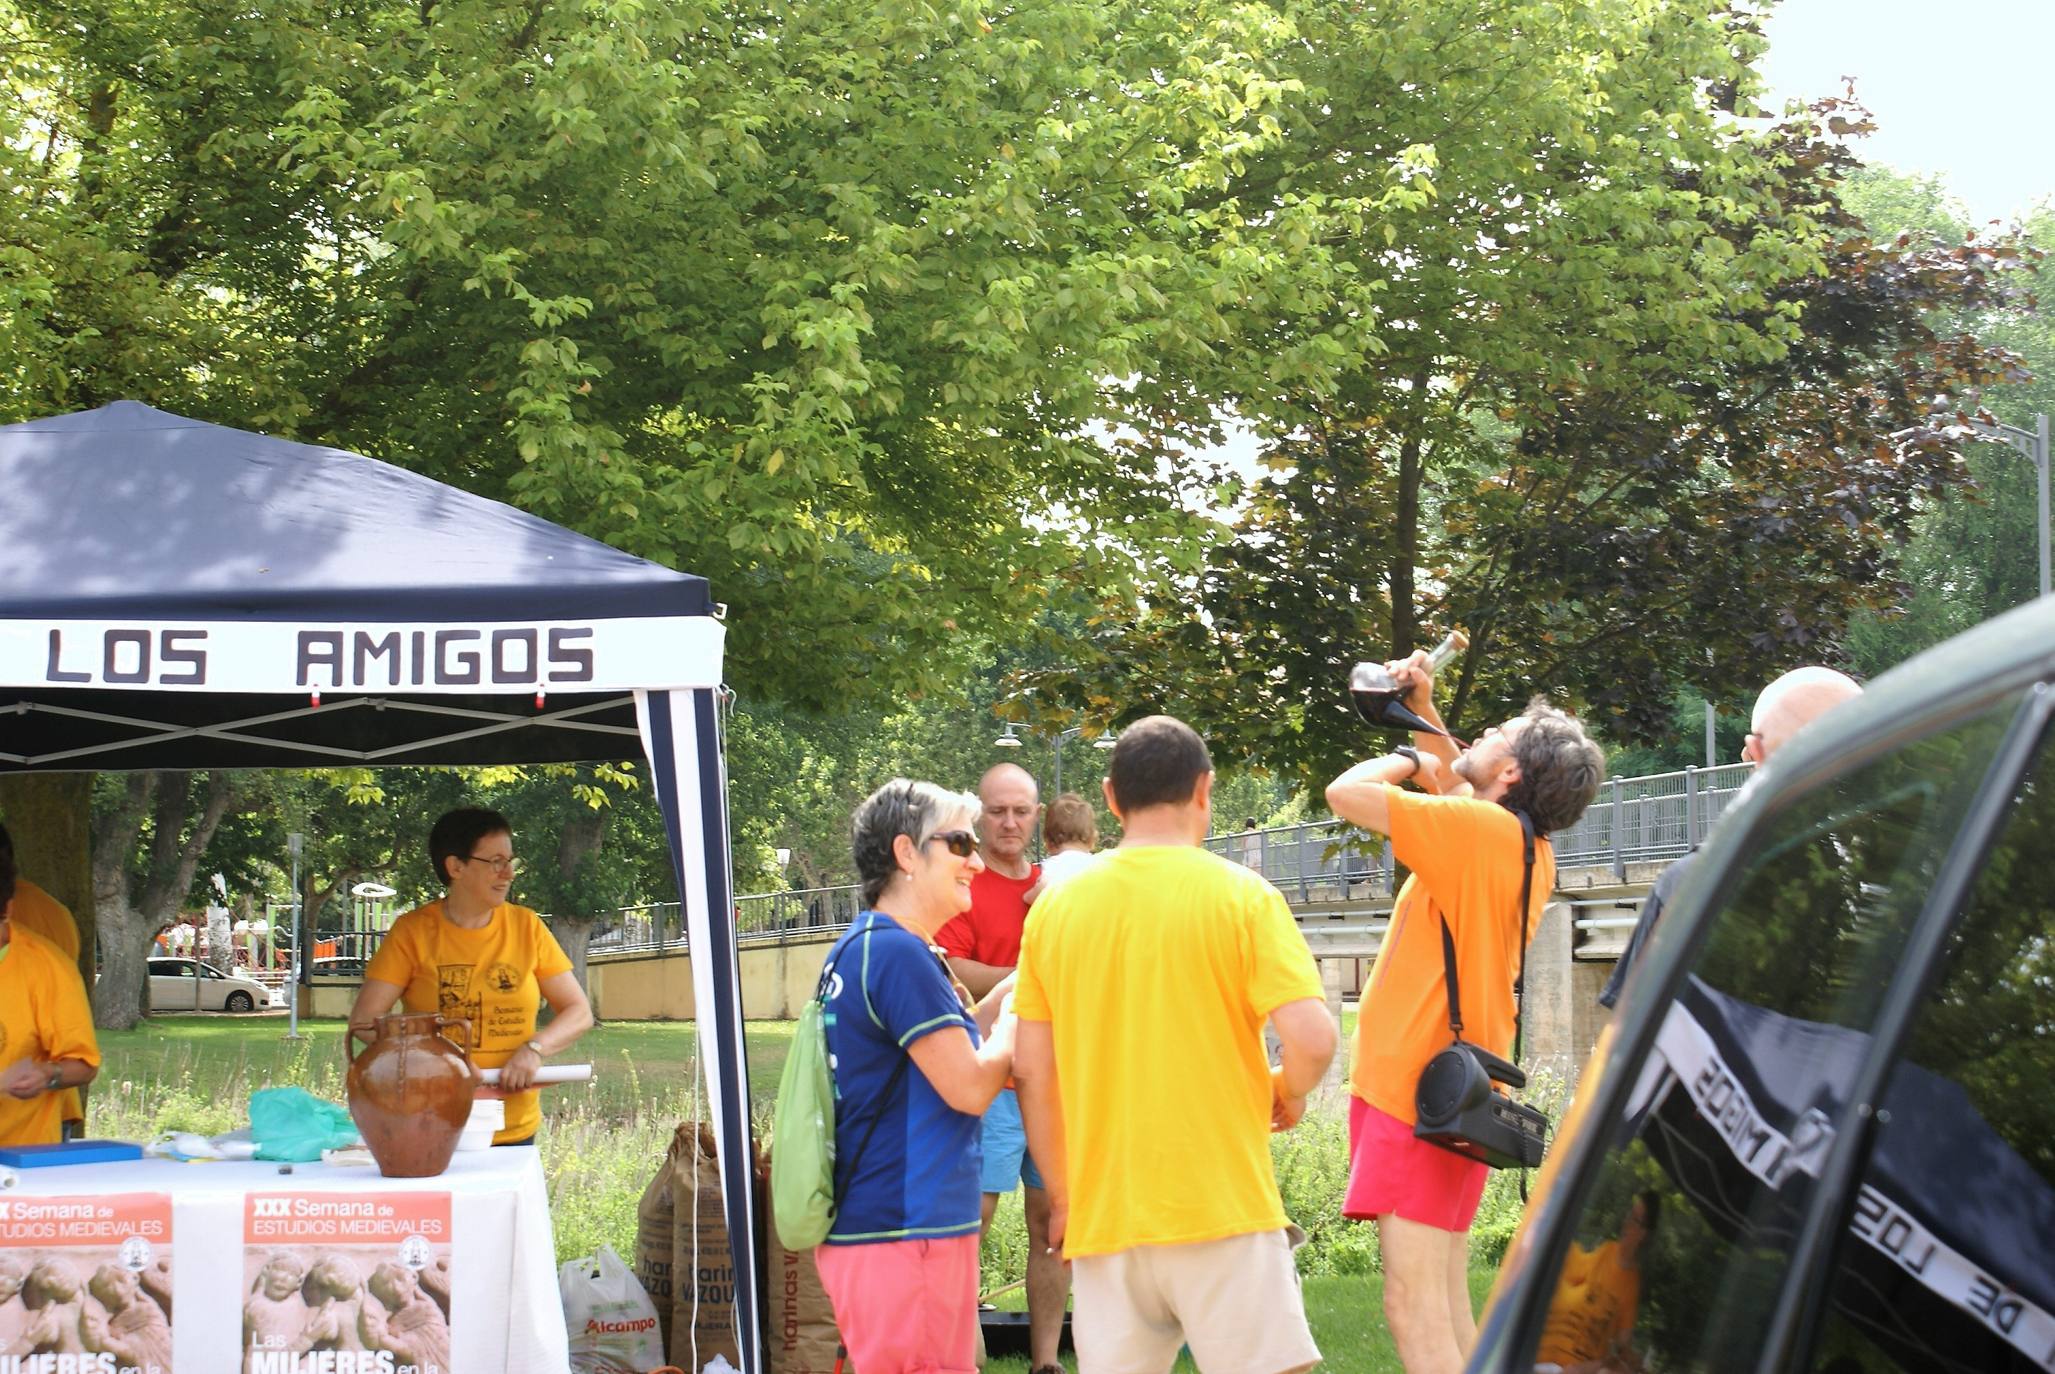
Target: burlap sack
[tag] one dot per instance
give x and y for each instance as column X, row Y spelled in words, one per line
column 654, row 1224
column 802, row 1337
column 702, row 1267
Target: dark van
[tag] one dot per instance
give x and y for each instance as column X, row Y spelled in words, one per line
column 1826, row 1108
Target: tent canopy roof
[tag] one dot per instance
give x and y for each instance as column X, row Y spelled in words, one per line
column 128, row 511
column 178, row 594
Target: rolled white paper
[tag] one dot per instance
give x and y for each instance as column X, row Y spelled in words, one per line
column 548, row 1073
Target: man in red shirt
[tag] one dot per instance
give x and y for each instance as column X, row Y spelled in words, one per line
column 983, row 945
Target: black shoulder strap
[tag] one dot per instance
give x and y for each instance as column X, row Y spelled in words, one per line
column 1448, row 944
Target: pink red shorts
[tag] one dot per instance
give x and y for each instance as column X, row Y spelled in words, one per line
column 905, row 1306
column 1390, row 1173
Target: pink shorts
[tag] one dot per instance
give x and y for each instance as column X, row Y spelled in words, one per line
column 1392, row 1173
column 905, row 1306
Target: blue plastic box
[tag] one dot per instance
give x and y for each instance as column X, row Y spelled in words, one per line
column 70, row 1152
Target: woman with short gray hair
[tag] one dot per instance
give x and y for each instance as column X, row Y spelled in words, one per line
column 915, row 1064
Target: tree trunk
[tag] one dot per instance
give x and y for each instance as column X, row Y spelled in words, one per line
column 1405, row 554
column 574, row 933
column 50, row 816
column 131, row 912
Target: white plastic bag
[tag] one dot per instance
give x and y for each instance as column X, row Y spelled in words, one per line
column 612, row 1321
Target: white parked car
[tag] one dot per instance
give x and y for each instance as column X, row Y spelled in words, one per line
column 189, row 985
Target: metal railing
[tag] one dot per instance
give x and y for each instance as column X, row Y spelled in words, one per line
column 1635, row 820
column 1648, row 819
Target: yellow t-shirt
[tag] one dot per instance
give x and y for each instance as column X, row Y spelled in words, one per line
column 1156, row 969
column 490, row 976
column 1593, row 1308
column 44, row 1015
column 37, row 911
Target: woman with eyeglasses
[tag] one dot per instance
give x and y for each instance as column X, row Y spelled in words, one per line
column 476, row 955
column 915, row 1064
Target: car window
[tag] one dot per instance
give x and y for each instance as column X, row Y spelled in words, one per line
column 177, row 968
column 1949, row 1259
column 1685, row 1234
column 209, row 971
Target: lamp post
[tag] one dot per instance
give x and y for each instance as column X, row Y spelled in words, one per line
column 1008, row 739
column 293, row 844
column 2032, row 445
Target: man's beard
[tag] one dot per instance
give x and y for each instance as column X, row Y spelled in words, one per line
column 1462, row 766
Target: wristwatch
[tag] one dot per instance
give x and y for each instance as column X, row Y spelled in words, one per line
column 1408, row 752
column 56, row 1079
column 536, row 1045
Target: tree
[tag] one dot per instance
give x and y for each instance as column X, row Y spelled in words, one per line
column 827, row 302
column 1746, row 392
column 146, row 849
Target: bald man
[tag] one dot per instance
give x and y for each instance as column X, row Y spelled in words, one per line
column 983, row 945
column 1786, row 706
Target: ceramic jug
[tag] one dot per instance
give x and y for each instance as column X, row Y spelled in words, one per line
column 410, row 1092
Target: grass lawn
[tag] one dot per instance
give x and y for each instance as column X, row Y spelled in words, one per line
column 1346, row 1313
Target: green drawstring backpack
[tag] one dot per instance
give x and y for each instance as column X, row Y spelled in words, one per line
column 803, row 1200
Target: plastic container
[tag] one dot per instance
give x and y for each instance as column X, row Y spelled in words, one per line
column 488, row 1117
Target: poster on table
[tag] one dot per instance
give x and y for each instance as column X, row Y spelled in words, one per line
column 85, row 1284
column 346, row 1283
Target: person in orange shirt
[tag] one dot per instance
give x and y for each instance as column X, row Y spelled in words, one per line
column 1592, row 1314
column 1465, row 849
column 47, row 1045
column 38, row 912
column 477, row 956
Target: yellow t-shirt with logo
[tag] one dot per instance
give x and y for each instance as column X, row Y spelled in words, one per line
column 490, row 976
column 1593, row 1308
column 37, row 911
column 1156, row 969
column 44, row 1015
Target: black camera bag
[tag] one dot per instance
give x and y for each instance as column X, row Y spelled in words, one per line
column 1455, row 1104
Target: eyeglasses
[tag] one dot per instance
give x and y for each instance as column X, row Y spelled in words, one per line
column 498, row 865
column 962, row 843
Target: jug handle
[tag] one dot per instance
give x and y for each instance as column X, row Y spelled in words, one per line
column 349, row 1037
column 442, row 1022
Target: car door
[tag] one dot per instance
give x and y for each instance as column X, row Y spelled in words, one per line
column 213, row 988
column 1709, row 1175
column 171, row 985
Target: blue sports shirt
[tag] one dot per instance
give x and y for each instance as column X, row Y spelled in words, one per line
column 918, row 1177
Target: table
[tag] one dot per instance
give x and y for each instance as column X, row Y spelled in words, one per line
column 486, row 1218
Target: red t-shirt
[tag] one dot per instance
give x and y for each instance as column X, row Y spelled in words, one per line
column 990, row 931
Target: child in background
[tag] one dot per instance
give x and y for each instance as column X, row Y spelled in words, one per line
column 1070, row 832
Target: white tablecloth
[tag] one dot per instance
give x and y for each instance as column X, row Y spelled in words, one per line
column 505, row 1313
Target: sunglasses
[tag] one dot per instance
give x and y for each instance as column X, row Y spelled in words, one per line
column 962, row 843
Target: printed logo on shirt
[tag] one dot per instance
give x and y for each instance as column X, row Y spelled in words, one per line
column 502, row 978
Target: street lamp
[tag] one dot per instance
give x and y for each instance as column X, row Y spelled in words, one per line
column 1008, row 739
column 2032, row 445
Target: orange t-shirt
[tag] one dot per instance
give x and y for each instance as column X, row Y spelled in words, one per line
column 1465, row 857
column 1592, row 1312
column 37, row 911
column 490, row 977
column 44, row 1015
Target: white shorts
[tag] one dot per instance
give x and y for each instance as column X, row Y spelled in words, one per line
column 1234, row 1301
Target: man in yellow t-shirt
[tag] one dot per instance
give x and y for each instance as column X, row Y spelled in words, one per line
column 47, row 1045
column 1144, row 985
column 477, row 956
column 1592, row 1314
column 37, row 912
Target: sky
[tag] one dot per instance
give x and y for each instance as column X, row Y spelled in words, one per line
column 1952, row 83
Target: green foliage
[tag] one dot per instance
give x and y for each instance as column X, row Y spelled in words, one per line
column 828, row 302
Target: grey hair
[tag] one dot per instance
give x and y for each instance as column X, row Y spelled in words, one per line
column 916, row 810
column 1560, row 769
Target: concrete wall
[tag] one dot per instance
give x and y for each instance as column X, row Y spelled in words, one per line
column 777, row 979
